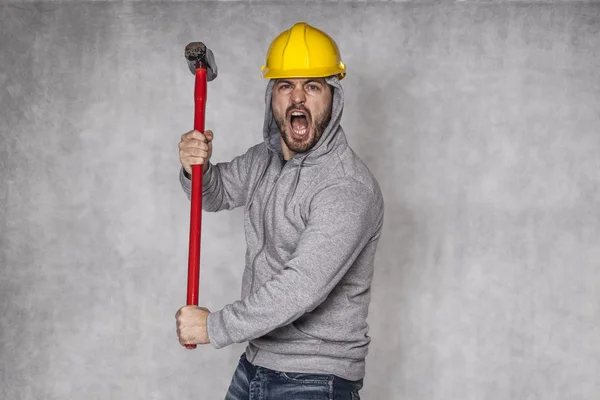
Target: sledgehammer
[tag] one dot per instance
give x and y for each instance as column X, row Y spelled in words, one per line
column 202, row 64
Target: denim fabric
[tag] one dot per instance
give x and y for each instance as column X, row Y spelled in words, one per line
column 251, row 382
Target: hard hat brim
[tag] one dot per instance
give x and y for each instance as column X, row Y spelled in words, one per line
column 303, row 73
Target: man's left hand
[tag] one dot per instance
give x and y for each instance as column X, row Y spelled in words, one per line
column 191, row 325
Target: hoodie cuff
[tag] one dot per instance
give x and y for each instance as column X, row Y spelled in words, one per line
column 186, row 182
column 216, row 331
column 206, row 175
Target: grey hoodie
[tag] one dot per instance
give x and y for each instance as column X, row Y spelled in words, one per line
column 312, row 227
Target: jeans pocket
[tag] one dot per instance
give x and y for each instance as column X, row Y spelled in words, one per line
column 314, row 379
column 286, row 385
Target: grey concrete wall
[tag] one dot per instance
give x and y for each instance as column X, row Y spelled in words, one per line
column 481, row 121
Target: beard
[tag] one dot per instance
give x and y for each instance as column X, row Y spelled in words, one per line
column 316, row 128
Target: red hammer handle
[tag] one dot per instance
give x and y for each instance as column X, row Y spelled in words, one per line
column 196, row 198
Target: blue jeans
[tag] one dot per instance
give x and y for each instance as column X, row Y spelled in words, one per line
column 251, row 382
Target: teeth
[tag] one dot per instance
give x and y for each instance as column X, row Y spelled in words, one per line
column 297, row 113
column 300, row 131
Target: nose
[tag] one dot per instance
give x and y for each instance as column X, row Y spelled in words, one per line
column 298, row 95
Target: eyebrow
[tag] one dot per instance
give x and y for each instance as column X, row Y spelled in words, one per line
column 304, row 82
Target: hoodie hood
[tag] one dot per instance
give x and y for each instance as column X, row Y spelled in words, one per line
column 326, row 142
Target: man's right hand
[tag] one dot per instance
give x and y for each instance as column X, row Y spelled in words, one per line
column 195, row 148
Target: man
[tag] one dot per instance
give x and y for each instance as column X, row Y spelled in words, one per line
column 313, row 218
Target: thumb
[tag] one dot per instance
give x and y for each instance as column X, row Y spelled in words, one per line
column 209, row 135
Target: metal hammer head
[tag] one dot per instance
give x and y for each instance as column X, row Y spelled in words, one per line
column 200, row 56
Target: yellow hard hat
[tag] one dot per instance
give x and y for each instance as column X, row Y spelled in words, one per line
column 303, row 51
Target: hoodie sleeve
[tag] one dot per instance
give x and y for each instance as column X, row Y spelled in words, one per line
column 223, row 185
column 343, row 218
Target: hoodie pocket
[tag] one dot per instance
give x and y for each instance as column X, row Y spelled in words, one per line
column 304, row 335
column 291, row 333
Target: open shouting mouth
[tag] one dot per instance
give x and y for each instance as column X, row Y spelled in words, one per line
column 299, row 122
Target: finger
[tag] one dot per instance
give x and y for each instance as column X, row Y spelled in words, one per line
column 186, row 158
column 194, row 160
column 183, row 339
column 186, row 340
column 192, row 143
column 196, row 135
column 195, row 144
column 193, row 152
column 189, row 135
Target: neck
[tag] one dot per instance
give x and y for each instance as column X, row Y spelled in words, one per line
column 287, row 153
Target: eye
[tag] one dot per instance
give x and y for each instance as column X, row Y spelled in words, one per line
column 313, row 87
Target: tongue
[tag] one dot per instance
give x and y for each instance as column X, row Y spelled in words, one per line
column 299, row 123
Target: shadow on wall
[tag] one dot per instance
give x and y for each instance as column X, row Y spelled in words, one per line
column 384, row 139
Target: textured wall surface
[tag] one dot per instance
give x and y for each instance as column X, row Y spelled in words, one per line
column 481, row 122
